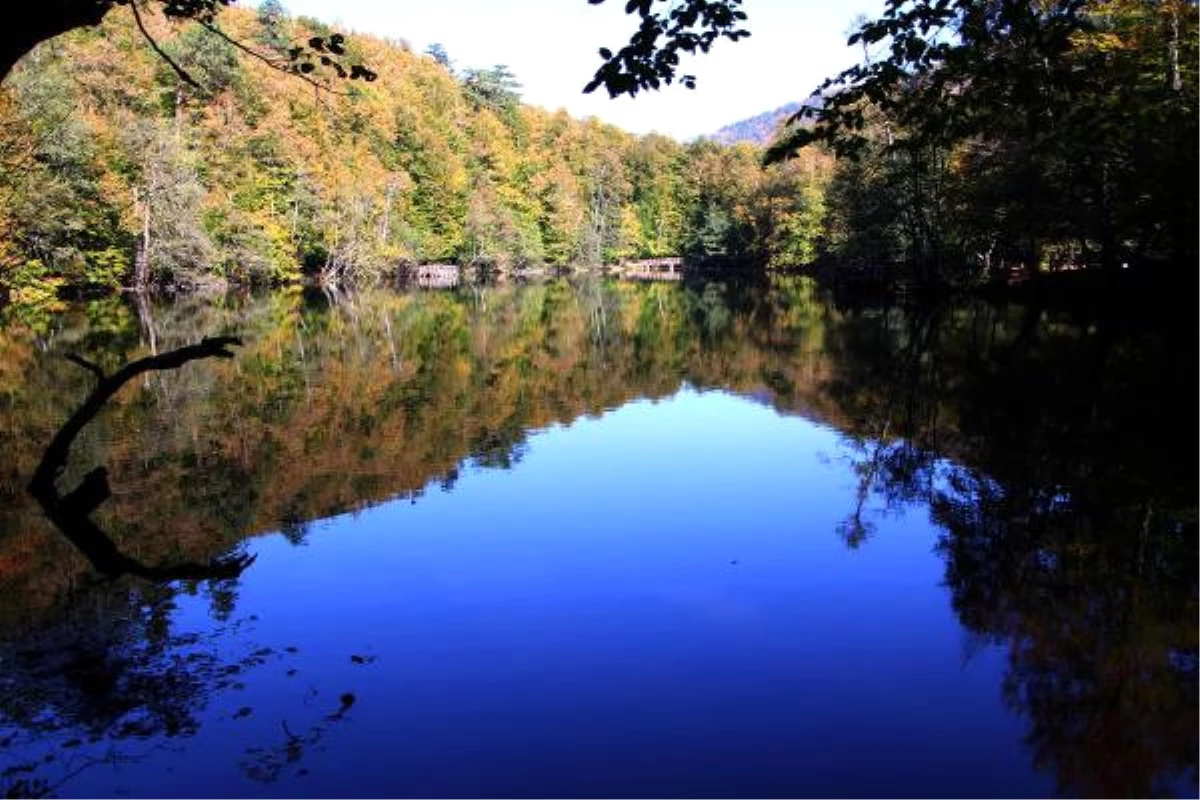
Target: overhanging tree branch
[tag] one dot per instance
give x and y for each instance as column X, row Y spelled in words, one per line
column 652, row 56
column 276, row 64
column 180, row 71
column 35, row 22
column 88, row 365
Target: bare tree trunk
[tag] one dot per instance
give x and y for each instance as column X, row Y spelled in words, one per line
column 386, row 226
column 179, row 100
column 1176, row 78
column 598, row 210
column 141, row 261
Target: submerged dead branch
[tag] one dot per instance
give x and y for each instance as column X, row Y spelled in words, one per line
column 70, row 512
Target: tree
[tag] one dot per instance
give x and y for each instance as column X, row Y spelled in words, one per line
column 648, row 60
column 496, row 88
column 36, row 22
column 59, row 225
column 173, row 249
column 211, row 61
column 438, row 53
column 272, row 19
column 607, row 191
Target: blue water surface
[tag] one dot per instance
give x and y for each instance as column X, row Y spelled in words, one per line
column 652, row 602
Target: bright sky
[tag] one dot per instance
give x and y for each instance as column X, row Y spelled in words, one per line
column 551, row 46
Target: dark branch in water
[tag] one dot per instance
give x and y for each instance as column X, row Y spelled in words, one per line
column 88, row 365
column 70, row 512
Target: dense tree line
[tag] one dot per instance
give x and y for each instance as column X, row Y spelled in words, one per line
column 118, row 172
column 983, row 136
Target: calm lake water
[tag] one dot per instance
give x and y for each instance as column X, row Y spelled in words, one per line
column 603, row 539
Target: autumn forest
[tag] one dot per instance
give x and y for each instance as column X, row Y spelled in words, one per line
column 252, row 177
column 371, row 431
column 1047, row 139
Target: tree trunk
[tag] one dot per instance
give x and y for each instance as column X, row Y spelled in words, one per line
column 179, row 101
column 141, row 260
column 386, row 226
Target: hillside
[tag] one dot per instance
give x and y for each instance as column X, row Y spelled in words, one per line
column 111, row 162
column 759, row 129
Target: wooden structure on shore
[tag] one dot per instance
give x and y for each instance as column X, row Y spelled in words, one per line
column 651, row 269
column 448, row 276
column 437, row 276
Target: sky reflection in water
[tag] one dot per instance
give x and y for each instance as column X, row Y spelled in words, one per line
column 652, row 617
column 656, row 600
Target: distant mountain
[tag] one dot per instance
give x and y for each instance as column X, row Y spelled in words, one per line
column 759, row 129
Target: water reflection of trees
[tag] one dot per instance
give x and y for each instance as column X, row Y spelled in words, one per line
column 1057, row 455
column 71, row 512
column 80, row 689
column 361, row 397
column 335, row 405
column 1068, row 518
column 119, row 679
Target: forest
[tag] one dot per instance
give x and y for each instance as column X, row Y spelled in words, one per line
column 858, row 351
column 978, row 137
column 985, row 139
column 973, row 142
column 120, row 173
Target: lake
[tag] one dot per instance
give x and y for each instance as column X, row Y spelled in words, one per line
column 590, row 538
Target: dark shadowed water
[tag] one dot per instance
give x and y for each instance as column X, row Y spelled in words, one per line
column 601, row 539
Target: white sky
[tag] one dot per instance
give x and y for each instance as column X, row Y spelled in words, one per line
column 551, row 46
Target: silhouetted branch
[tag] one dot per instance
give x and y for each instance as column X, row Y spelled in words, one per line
column 54, row 460
column 88, row 365
column 275, row 64
column 70, row 512
column 180, row 71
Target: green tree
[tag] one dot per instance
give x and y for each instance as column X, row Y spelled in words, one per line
column 272, row 23
column 438, row 53
column 496, row 89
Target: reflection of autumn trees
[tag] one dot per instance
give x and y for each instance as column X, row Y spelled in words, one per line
column 71, row 512
column 1057, row 455
column 331, row 406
